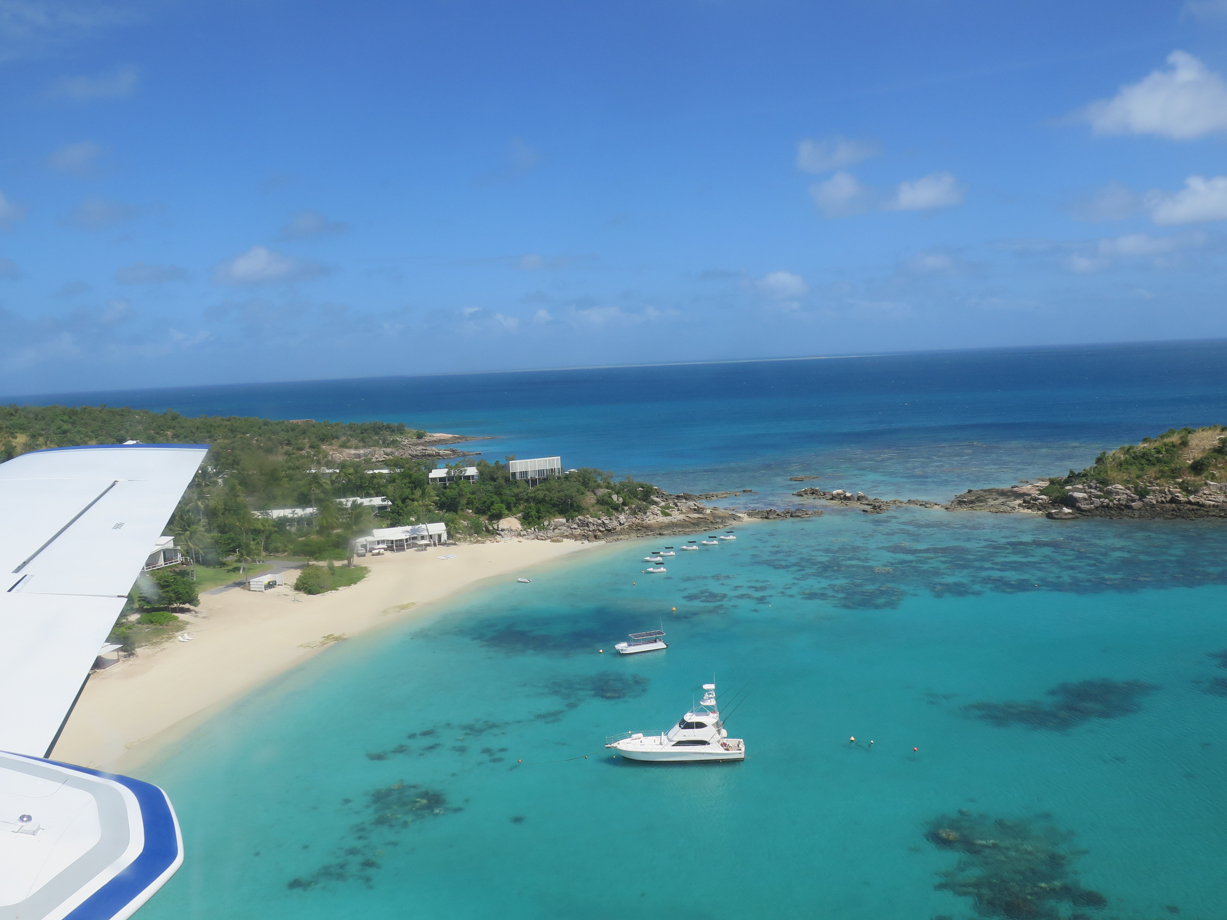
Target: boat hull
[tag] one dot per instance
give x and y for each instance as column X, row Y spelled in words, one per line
column 667, row 756
column 625, row 649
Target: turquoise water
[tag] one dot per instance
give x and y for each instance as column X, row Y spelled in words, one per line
column 884, row 627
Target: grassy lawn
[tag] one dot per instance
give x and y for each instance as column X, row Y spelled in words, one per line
column 214, row 576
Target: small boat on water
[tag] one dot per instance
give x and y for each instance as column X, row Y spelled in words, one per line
column 698, row 737
column 653, row 557
column 668, row 552
column 728, row 536
column 691, row 545
column 525, row 581
column 710, row 541
column 656, row 569
column 651, row 641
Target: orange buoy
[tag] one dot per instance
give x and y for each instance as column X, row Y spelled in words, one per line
column 915, row 749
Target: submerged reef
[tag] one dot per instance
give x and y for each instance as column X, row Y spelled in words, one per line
column 603, row 685
column 1072, row 704
column 390, row 810
column 1215, row 686
column 1020, row 869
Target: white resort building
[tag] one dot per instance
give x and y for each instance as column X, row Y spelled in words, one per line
column 399, row 539
column 164, row 553
column 535, row 470
column 442, row 477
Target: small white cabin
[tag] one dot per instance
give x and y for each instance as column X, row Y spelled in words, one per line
column 264, row 582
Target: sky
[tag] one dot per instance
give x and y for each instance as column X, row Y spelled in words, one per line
column 229, row 192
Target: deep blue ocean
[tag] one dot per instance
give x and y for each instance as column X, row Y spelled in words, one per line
column 1046, row 701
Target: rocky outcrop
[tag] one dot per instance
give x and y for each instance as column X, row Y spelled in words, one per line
column 778, row 514
column 1087, row 499
column 653, row 522
column 862, row 501
column 709, row 496
column 427, row 448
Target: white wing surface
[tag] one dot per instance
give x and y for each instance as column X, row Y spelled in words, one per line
column 76, row 525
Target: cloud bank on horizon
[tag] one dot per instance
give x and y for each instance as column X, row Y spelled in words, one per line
column 198, row 194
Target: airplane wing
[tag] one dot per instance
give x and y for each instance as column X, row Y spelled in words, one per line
column 76, row 526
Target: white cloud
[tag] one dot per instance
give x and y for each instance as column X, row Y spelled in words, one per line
column 30, row 28
column 1112, row 202
column 783, row 285
column 1142, row 244
column 9, row 270
column 74, row 159
column 523, row 157
column 833, row 153
column 1204, row 9
column 939, row 190
column 934, row 262
column 1086, row 264
column 531, row 262
column 144, row 273
column 306, row 224
column 841, row 195
column 117, row 311
column 1183, row 102
column 97, row 213
column 261, row 265
column 113, row 85
column 10, row 212
column 1200, row 200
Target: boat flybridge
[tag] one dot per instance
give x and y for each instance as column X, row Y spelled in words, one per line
column 699, row 736
column 650, row 641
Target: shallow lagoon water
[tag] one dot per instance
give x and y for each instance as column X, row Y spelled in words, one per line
column 882, row 627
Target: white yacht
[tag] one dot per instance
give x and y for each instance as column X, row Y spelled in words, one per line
column 656, row 569
column 668, row 552
column 728, row 536
column 698, row 736
column 691, row 546
column 710, row 541
column 653, row 557
column 650, row 641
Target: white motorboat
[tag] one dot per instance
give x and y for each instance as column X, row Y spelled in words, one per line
column 525, row 581
column 710, row 541
column 691, row 546
column 728, row 536
column 654, row 557
column 699, row 736
column 651, row 641
column 668, row 552
column 656, row 569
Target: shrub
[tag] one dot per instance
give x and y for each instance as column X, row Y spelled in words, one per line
column 158, row 617
column 312, row 579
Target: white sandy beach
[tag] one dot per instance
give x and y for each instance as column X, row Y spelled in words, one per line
column 241, row 639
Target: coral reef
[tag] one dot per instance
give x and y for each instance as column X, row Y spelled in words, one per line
column 1072, row 704
column 1020, row 869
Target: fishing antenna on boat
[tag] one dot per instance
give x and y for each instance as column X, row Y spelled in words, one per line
column 724, row 719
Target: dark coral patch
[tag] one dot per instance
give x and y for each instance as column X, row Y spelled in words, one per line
column 1016, row 869
column 1072, row 704
column 603, row 685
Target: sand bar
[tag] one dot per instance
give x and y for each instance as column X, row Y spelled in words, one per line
column 242, row 639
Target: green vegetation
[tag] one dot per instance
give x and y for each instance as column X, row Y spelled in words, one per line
column 209, row 577
column 317, row 579
column 1184, row 458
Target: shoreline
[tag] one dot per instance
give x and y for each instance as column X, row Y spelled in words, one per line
column 241, row 640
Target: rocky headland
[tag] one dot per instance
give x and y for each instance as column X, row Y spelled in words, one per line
column 430, row 446
column 666, row 515
column 1179, row 474
column 865, row 503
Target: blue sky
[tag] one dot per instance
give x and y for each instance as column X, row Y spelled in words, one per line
column 226, row 192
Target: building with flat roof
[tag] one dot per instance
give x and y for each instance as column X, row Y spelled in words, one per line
column 535, row 470
column 442, row 477
column 399, row 539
